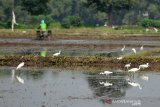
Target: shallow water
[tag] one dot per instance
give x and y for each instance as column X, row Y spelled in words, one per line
column 77, row 88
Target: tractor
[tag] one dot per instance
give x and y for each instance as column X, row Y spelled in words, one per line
column 43, row 35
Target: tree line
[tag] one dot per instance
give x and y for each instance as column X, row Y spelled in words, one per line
column 79, row 12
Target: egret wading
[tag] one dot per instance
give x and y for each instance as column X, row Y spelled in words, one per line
column 127, row 65
column 14, row 71
column 123, row 48
column 134, row 69
column 20, row 65
column 134, row 50
column 141, row 48
column 143, row 66
column 57, row 54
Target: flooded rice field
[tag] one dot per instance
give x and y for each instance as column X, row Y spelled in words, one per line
column 77, row 47
column 65, row 87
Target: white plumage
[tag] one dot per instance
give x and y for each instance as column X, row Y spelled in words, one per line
column 13, row 20
column 141, row 48
column 20, row 79
column 127, row 65
column 106, row 72
column 134, row 69
column 123, row 48
column 155, row 29
column 20, row 65
column 134, row 50
column 57, row 54
column 135, row 84
column 143, row 66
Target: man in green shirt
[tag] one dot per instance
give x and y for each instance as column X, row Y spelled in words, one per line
column 43, row 26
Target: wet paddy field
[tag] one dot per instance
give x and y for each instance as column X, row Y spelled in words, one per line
column 65, row 87
column 79, row 46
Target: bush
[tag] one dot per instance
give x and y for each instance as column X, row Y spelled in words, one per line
column 66, row 23
column 2, row 25
column 74, row 21
column 149, row 23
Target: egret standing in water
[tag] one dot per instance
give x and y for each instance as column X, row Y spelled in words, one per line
column 127, row 65
column 20, row 65
column 17, row 77
column 134, row 69
column 57, row 54
column 134, row 50
column 13, row 20
column 143, row 66
column 123, row 48
column 141, row 48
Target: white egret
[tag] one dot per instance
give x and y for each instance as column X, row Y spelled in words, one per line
column 134, row 69
column 134, row 50
column 57, row 54
column 106, row 72
column 127, row 65
column 13, row 20
column 20, row 79
column 144, row 77
column 141, row 48
column 120, row 58
column 20, row 65
column 135, row 84
column 155, row 29
column 143, row 66
column 123, row 48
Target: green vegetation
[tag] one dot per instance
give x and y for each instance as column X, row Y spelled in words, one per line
column 77, row 13
column 94, row 32
column 37, row 61
column 150, row 23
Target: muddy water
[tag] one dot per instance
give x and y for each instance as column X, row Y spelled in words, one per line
column 77, row 47
column 77, row 88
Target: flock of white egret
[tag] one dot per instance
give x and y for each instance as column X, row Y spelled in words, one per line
column 127, row 66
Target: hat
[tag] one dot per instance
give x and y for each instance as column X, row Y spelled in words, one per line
column 42, row 21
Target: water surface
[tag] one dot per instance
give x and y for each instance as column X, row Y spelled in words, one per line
column 76, row 88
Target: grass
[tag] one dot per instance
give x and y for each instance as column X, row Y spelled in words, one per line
column 83, row 32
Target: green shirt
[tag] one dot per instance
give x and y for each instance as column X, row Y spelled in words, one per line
column 43, row 26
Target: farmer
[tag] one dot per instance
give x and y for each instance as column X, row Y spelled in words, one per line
column 43, row 26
